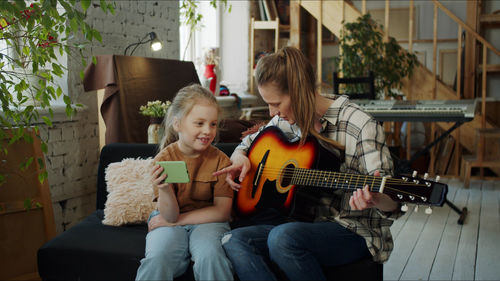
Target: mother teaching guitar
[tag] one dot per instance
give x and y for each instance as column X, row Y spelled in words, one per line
column 347, row 205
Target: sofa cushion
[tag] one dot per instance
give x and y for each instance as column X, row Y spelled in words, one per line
column 130, row 192
column 91, row 250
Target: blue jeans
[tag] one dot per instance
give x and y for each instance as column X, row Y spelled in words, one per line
column 170, row 249
column 299, row 249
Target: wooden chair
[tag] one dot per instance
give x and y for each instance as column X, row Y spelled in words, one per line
column 487, row 144
column 369, row 81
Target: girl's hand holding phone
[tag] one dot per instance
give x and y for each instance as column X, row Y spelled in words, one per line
column 159, row 177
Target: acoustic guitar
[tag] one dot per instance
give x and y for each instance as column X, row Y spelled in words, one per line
column 278, row 167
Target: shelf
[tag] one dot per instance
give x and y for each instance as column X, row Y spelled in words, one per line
column 263, row 25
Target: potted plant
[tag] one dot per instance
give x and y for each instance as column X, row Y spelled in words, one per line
column 156, row 111
column 363, row 49
column 34, row 35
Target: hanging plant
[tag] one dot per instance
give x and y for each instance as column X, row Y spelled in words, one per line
column 363, row 49
column 34, row 35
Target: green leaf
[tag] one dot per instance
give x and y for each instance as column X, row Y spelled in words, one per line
column 25, row 165
column 85, row 4
column 47, row 121
column 67, row 100
column 26, row 50
column 27, row 204
column 44, row 148
column 74, row 24
column 40, row 163
column 97, row 35
column 42, row 176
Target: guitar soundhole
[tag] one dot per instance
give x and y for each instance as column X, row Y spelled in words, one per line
column 286, row 178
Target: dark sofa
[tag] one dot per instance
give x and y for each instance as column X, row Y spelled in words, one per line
column 93, row 251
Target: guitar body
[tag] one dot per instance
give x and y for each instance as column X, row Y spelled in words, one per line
column 273, row 189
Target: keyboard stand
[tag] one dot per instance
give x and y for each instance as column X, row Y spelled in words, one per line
column 404, row 167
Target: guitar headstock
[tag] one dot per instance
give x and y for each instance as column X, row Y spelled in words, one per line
column 415, row 190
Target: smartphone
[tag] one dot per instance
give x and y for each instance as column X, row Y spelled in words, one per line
column 176, row 171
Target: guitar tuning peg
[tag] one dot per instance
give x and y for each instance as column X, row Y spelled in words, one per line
column 428, row 210
column 414, row 173
column 438, row 178
column 426, row 175
column 404, row 208
column 416, row 209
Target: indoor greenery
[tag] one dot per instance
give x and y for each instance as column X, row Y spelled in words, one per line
column 155, row 109
column 363, row 49
column 192, row 17
column 34, row 35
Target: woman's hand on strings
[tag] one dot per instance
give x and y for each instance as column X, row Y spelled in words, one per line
column 362, row 199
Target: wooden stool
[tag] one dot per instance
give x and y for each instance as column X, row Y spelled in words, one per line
column 487, row 144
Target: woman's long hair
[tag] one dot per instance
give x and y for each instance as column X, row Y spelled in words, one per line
column 290, row 71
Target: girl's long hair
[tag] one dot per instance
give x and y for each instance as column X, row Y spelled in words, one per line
column 290, row 71
column 182, row 104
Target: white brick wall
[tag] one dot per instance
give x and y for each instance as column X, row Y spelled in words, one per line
column 73, row 145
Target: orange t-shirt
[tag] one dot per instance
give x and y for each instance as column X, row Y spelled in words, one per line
column 200, row 191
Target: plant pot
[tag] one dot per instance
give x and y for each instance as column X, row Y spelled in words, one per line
column 155, row 130
column 23, row 230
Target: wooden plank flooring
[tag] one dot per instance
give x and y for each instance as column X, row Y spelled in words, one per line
column 436, row 247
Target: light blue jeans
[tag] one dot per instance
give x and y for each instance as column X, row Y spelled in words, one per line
column 170, row 249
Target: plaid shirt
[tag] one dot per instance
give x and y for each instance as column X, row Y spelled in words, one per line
column 365, row 152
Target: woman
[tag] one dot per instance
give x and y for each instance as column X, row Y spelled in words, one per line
column 334, row 228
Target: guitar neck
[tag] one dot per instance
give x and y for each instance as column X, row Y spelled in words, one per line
column 327, row 179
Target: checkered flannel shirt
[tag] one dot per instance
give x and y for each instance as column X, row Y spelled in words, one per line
column 365, row 152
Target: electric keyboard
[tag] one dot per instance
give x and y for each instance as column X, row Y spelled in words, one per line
column 421, row 110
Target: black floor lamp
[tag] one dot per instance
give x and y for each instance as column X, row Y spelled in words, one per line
column 153, row 38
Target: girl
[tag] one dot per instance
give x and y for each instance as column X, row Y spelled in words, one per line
column 191, row 217
column 337, row 227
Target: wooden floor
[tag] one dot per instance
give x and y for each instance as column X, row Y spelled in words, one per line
column 436, row 247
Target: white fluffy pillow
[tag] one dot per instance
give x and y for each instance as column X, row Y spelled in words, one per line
column 130, row 192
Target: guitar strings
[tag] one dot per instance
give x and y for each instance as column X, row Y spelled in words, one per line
column 321, row 175
column 319, row 178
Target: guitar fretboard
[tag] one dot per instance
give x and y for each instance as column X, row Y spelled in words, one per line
column 329, row 179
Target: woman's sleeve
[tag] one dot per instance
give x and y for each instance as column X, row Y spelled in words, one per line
column 373, row 151
column 247, row 141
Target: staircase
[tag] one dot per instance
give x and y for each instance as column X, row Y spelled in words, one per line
column 424, row 84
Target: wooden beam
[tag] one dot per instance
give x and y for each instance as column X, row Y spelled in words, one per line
column 489, row 18
column 434, row 85
column 490, row 67
column 409, row 94
column 467, row 26
column 295, row 24
column 470, row 50
column 458, row 146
